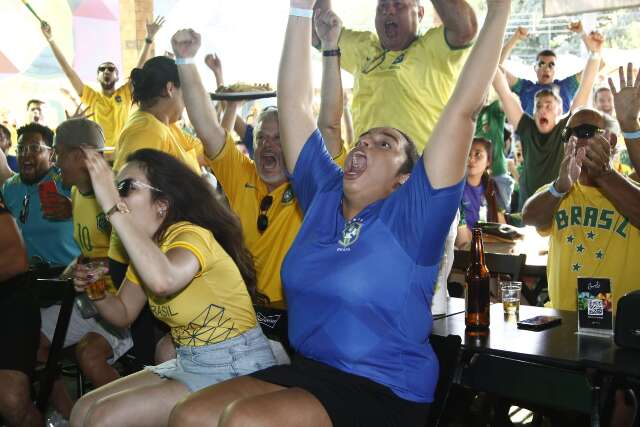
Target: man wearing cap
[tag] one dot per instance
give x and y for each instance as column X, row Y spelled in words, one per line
column 110, row 107
column 540, row 134
column 591, row 213
column 99, row 344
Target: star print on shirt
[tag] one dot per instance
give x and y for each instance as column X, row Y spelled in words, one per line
column 591, row 235
column 580, row 248
column 576, row 267
column 570, row 239
column 600, row 254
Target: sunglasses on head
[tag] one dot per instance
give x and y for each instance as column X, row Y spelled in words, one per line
column 581, row 132
column 127, row 185
column 263, row 219
column 104, row 68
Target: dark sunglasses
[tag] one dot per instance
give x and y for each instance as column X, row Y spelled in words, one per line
column 581, row 132
column 127, row 185
column 104, row 68
column 263, row 219
column 24, row 212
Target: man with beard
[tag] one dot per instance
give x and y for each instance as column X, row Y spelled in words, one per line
column 541, row 134
column 38, row 201
column 545, row 68
column 404, row 79
column 258, row 190
column 110, row 107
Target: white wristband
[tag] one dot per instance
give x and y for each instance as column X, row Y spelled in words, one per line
column 631, row 135
column 555, row 193
column 302, row 13
column 594, row 56
column 184, row 61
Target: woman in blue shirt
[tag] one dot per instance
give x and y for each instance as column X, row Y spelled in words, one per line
column 360, row 275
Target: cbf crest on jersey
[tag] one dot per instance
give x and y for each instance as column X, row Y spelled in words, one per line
column 350, row 233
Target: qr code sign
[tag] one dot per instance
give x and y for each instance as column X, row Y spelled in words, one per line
column 596, row 307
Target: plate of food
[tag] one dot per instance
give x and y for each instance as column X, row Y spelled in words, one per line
column 243, row 91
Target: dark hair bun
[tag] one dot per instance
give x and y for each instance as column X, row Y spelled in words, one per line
column 149, row 82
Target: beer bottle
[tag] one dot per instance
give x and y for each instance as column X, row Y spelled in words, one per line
column 477, row 286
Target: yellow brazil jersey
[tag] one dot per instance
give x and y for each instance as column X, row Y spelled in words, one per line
column 405, row 89
column 143, row 130
column 91, row 229
column 215, row 305
column 245, row 191
column 590, row 238
column 110, row 112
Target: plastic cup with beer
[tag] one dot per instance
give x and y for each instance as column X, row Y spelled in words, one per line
column 96, row 289
column 510, row 292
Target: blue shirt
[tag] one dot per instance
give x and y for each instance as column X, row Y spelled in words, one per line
column 526, row 90
column 52, row 241
column 472, row 199
column 359, row 292
column 248, row 140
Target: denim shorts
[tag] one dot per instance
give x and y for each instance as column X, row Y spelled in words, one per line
column 198, row 367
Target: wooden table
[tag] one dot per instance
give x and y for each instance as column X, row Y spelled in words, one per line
column 548, row 368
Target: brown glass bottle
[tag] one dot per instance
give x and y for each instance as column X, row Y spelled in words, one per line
column 477, row 286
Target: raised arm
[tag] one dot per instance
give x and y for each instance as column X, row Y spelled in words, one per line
column 590, row 72
column 152, row 29
column 196, row 99
column 521, row 33
column 212, row 61
column 295, row 89
column 509, row 100
column 445, row 155
column 459, row 21
column 540, row 208
column 73, row 77
column 328, row 27
column 627, row 104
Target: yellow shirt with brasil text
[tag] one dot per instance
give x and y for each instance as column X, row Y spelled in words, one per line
column 91, row 230
column 245, row 190
column 215, row 305
column 144, row 130
column 590, row 238
column 110, row 112
column 405, row 89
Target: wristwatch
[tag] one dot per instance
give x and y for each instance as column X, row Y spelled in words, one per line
column 120, row 207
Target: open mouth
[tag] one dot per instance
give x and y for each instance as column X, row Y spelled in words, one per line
column 269, row 161
column 27, row 168
column 391, row 29
column 356, row 165
column 544, row 121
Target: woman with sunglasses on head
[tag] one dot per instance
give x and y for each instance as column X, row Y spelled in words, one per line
column 189, row 262
column 359, row 278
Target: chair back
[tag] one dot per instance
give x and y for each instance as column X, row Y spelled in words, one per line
column 62, row 289
column 498, row 264
column 447, row 349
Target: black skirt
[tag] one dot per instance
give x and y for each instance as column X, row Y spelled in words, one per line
column 350, row 400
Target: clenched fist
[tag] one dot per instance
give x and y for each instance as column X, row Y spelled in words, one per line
column 185, row 43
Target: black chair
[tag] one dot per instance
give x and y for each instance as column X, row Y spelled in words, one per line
column 498, row 264
column 51, row 289
column 447, row 349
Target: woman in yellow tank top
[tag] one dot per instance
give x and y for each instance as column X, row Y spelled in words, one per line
column 188, row 260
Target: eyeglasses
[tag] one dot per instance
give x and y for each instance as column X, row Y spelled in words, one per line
column 31, row 149
column 263, row 219
column 375, row 62
column 24, row 212
column 585, row 131
column 127, row 185
column 541, row 64
column 104, row 68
